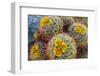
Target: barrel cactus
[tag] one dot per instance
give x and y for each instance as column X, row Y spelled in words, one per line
column 79, row 33
column 62, row 46
column 51, row 25
column 48, row 27
column 37, row 51
column 67, row 21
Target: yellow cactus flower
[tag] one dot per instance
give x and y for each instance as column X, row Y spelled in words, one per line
column 64, row 47
column 45, row 21
column 57, row 42
column 83, row 30
column 57, row 52
column 36, row 47
column 35, row 51
column 77, row 29
column 60, row 47
column 80, row 28
column 50, row 22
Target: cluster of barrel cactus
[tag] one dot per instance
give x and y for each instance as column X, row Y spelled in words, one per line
column 59, row 37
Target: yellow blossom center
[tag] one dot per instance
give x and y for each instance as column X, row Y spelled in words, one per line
column 81, row 29
column 57, row 52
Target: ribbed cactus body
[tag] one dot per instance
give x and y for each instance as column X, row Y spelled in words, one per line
column 51, row 26
column 62, row 46
column 67, row 21
column 79, row 33
column 37, row 51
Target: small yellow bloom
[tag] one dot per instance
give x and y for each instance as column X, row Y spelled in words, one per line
column 83, row 30
column 35, row 51
column 50, row 22
column 64, row 47
column 36, row 55
column 60, row 47
column 57, row 42
column 80, row 28
column 45, row 21
column 57, row 52
column 77, row 29
column 36, row 47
